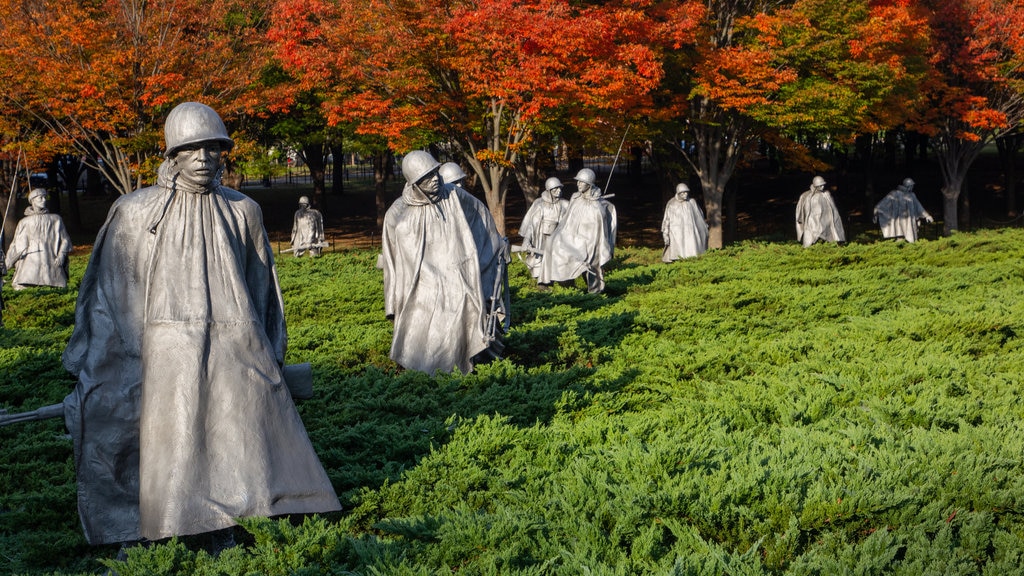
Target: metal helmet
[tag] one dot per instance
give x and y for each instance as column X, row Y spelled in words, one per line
column 680, row 188
column 35, row 193
column 192, row 123
column 552, row 183
column 304, row 200
column 451, row 173
column 586, row 175
column 908, row 183
column 818, row 181
column 418, row 164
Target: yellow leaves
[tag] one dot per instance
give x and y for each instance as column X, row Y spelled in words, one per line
column 489, row 157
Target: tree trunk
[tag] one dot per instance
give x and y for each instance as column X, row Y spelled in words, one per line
column 950, row 203
column 313, row 155
column 382, row 162
column 1008, row 147
column 71, row 171
column 495, row 190
column 338, row 177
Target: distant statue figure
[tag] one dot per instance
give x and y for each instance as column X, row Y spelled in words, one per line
column 540, row 222
column 451, row 173
column 899, row 213
column 817, row 217
column 445, row 267
column 307, row 230
column 181, row 418
column 585, row 239
column 39, row 251
column 683, row 228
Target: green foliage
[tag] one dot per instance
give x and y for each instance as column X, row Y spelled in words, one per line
column 763, row 409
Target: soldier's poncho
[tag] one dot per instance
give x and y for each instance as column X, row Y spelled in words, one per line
column 181, row 418
column 39, row 251
column 817, row 218
column 898, row 214
column 307, row 231
column 538, row 224
column 583, row 242
column 442, row 261
column 684, row 230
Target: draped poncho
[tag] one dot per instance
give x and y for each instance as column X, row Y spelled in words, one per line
column 817, row 218
column 181, row 418
column 444, row 261
column 584, row 241
column 898, row 214
column 538, row 225
column 39, row 251
column 684, row 230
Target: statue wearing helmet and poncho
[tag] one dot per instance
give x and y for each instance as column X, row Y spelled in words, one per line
column 444, row 273
column 585, row 240
column 540, row 222
column 683, row 228
column 307, row 230
column 181, row 418
column 40, row 248
column 817, row 217
column 899, row 212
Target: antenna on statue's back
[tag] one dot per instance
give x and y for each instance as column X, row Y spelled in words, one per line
column 616, row 161
column 10, row 200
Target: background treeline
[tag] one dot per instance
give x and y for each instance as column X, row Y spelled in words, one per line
column 764, row 409
column 701, row 90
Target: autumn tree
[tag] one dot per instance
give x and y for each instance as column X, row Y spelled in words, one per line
column 100, row 76
column 975, row 92
column 478, row 74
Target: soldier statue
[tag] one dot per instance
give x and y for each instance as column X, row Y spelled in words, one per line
column 683, row 228
column 900, row 212
column 817, row 217
column 307, row 230
column 540, row 222
column 39, row 251
column 181, row 419
column 445, row 266
column 585, row 239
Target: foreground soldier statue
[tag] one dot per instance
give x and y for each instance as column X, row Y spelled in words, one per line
column 181, row 418
column 445, row 268
column 817, row 217
column 40, row 247
column 683, row 228
column 585, row 240
column 540, row 222
column 898, row 214
column 307, row 230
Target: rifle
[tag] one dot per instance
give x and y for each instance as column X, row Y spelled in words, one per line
column 307, row 247
column 298, row 377
column 616, row 161
column 500, row 282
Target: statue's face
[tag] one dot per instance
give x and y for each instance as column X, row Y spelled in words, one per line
column 684, row 195
column 582, row 186
column 556, row 192
column 39, row 201
column 199, row 162
column 430, row 184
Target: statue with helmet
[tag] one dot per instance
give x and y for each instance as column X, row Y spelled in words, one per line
column 445, row 273
column 539, row 223
column 683, row 227
column 584, row 241
column 307, row 230
column 817, row 217
column 900, row 212
column 181, row 417
column 39, row 249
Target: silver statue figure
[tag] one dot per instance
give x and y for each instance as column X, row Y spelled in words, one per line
column 683, row 227
column 899, row 213
column 817, row 217
column 585, row 239
column 445, row 267
column 540, row 222
column 307, row 230
column 181, row 418
column 40, row 247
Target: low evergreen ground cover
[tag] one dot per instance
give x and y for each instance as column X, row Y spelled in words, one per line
column 764, row 409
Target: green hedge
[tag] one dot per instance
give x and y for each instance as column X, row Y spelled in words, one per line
column 764, row 409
